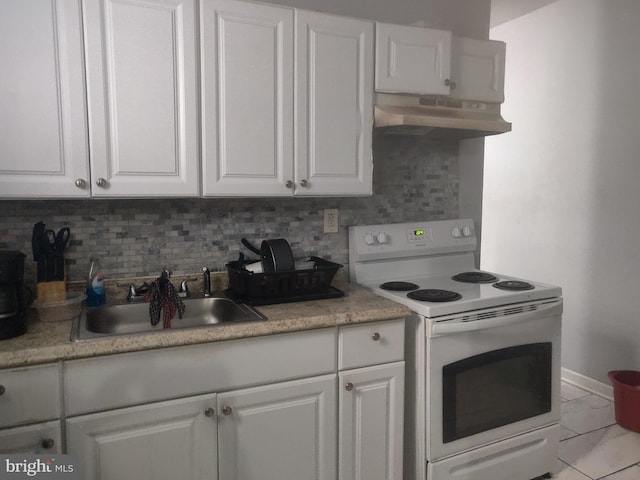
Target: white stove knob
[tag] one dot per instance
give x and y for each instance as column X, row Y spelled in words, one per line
column 456, row 232
column 369, row 239
column 466, row 231
column 382, row 237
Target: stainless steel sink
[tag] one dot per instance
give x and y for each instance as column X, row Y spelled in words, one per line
column 133, row 318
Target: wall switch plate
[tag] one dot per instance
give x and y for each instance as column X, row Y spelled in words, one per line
column 331, row 220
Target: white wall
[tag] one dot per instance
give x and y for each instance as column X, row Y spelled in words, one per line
column 561, row 200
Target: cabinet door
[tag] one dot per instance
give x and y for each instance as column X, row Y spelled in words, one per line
column 142, row 93
column 477, row 68
column 168, row 440
column 334, row 105
column 412, row 59
column 41, row 438
column 43, row 147
column 371, row 422
column 280, row 431
column 247, row 88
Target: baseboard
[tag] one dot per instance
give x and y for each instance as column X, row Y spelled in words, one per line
column 586, row 383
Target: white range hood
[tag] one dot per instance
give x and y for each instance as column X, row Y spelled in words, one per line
column 438, row 117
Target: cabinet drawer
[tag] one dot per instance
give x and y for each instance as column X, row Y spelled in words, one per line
column 370, row 344
column 30, row 394
column 115, row 381
column 41, row 438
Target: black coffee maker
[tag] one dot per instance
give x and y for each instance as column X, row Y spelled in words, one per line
column 13, row 321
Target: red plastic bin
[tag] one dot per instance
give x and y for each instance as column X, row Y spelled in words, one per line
column 626, row 396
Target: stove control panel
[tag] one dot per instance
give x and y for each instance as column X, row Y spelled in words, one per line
column 410, row 239
column 419, row 235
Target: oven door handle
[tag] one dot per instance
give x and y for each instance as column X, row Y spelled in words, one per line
column 551, row 308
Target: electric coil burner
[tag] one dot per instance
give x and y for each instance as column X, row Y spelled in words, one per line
column 475, row 277
column 434, row 295
column 399, row 286
column 513, row 285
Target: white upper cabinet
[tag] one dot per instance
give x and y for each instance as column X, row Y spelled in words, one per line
column 412, row 59
column 43, row 144
column 477, row 66
column 247, row 98
column 275, row 124
column 425, row 61
column 334, row 105
column 142, row 95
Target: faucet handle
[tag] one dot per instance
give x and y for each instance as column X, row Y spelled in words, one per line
column 183, row 291
column 206, row 282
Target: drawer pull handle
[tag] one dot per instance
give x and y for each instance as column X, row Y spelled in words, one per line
column 2, row 389
column 209, row 412
column 375, row 337
column 348, row 386
column 227, row 411
column 48, row 443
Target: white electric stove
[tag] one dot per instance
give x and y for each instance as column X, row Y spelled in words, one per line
column 483, row 361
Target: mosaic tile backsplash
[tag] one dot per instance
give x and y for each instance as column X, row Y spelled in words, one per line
column 414, row 179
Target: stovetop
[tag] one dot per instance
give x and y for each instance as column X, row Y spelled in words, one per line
column 428, row 254
column 472, row 296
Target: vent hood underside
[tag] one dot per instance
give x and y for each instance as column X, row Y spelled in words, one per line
column 437, row 117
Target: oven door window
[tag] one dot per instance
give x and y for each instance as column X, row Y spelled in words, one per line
column 495, row 389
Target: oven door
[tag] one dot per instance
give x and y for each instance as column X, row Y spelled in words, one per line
column 492, row 375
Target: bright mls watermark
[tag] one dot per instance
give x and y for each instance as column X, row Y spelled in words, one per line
column 51, row 467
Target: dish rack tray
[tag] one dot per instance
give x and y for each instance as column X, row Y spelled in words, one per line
column 293, row 284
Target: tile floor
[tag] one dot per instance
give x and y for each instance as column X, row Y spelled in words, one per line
column 593, row 446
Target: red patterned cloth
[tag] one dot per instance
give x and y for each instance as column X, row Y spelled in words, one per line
column 164, row 299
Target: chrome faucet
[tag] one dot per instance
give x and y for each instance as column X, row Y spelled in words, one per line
column 206, row 282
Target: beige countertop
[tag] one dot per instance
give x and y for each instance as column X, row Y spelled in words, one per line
column 49, row 341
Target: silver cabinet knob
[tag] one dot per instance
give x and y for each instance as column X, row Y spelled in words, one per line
column 289, row 184
column 2, row 389
column 348, row 386
column 101, row 182
column 227, row 411
column 304, row 183
column 209, row 412
column 375, row 337
column 48, row 443
column 81, row 182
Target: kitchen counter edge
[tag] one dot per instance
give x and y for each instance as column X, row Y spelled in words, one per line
column 49, row 342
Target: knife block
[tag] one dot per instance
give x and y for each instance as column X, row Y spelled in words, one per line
column 50, row 291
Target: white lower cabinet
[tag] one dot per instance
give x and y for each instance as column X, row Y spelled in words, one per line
column 30, row 410
column 371, row 401
column 263, row 408
column 371, row 422
column 281, row 431
column 41, row 438
column 166, row 440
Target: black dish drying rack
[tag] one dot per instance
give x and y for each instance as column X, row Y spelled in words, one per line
column 282, row 287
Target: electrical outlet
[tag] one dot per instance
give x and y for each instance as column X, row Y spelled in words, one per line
column 331, row 220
